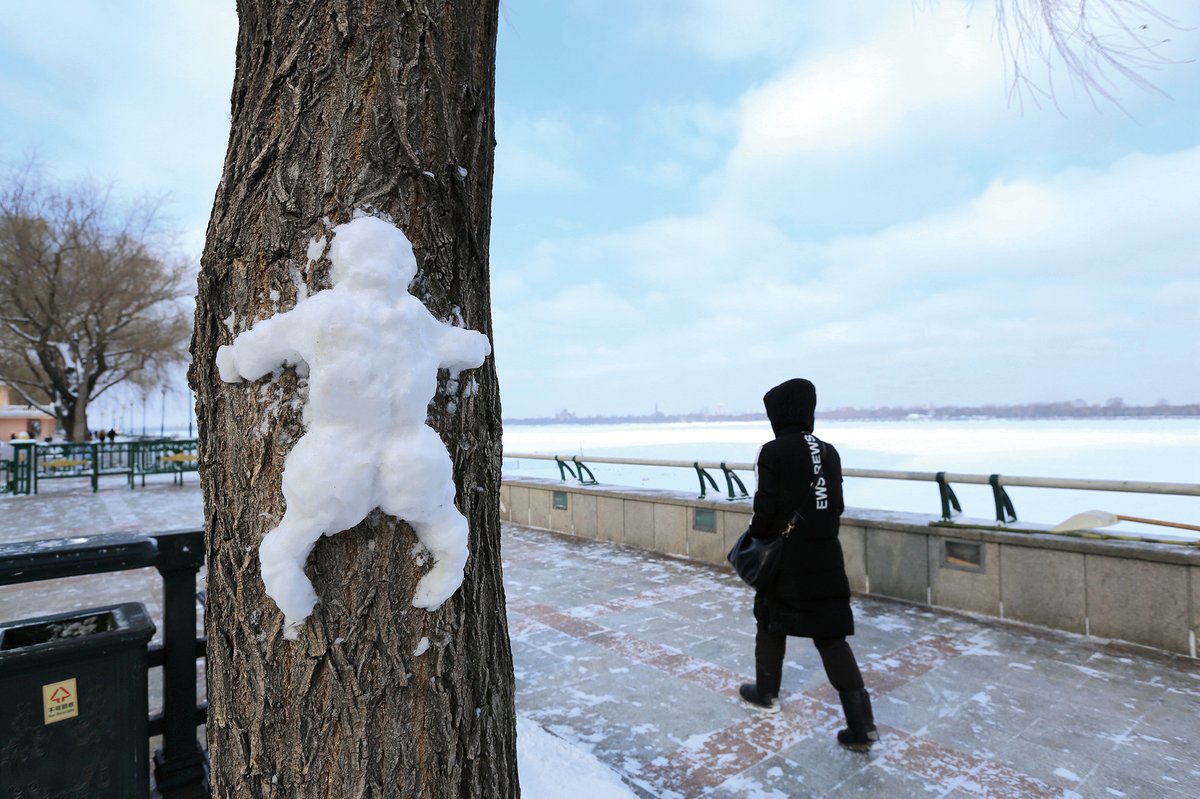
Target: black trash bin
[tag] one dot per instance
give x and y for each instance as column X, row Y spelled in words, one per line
column 73, row 706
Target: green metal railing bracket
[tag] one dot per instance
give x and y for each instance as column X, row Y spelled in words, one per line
column 948, row 498
column 563, row 468
column 591, row 478
column 1005, row 512
column 730, row 479
column 703, row 475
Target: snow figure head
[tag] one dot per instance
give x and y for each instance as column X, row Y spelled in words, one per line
column 370, row 254
column 373, row 352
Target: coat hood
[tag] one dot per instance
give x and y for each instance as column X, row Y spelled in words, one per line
column 791, row 405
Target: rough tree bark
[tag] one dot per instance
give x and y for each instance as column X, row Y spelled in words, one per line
column 387, row 107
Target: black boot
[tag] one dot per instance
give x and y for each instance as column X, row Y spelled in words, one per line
column 767, row 704
column 860, row 731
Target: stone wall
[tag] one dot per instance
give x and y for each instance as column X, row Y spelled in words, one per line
column 1142, row 593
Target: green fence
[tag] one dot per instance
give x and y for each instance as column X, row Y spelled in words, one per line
column 33, row 462
column 163, row 457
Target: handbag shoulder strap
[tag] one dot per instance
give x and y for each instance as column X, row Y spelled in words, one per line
column 817, row 448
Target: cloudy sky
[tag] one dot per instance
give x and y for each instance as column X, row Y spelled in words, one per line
column 696, row 199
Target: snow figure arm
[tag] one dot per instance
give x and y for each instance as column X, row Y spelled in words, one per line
column 261, row 349
column 459, row 348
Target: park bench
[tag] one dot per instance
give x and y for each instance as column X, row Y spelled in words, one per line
column 65, row 463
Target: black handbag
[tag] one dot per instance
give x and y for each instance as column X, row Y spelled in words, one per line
column 756, row 560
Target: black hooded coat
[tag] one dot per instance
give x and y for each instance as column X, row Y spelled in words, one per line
column 811, row 597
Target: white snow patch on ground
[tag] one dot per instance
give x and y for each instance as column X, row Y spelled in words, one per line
column 1093, row 673
column 748, row 788
column 550, row 768
column 982, row 698
column 890, row 623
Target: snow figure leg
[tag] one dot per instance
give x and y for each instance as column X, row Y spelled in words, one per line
column 328, row 487
column 417, row 484
column 445, row 536
column 283, row 553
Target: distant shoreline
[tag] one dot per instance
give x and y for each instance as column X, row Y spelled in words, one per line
column 1048, row 411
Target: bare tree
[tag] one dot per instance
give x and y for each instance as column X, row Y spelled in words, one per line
column 386, row 108
column 1095, row 45
column 88, row 296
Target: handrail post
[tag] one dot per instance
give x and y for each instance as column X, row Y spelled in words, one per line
column 563, row 468
column 94, row 452
column 35, row 455
column 948, row 498
column 179, row 765
column 703, row 475
column 1005, row 512
column 591, row 481
column 730, row 479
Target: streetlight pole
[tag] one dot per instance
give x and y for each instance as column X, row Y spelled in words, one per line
column 162, row 424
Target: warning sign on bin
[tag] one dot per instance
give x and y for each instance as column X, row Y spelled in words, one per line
column 60, row 700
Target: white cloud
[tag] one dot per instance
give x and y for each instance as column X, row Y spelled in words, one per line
column 748, row 29
column 1139, row 220
column 534, row 154
column 877, row 218
column 694, row 128
column 886, row 85
column 1036, row 289
column 856, row 129
column 662, row 174
column 138, row 95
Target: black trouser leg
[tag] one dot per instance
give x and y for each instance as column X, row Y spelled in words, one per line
column 840, row 666
column 842, row 670
column 768, row 652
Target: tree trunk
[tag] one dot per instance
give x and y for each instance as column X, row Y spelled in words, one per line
column 71, row 412
column 76, row 424
column 386, row 107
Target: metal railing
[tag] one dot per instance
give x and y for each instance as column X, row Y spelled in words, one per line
column 577, row 469
column 1005, row 511
column 179, row 766
column 33, row 462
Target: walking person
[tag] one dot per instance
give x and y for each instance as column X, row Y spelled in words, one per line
column 800, row 484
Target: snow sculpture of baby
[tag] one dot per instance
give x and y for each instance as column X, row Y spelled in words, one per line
column 372, row 351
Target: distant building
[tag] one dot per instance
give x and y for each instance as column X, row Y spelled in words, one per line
column 22, row 420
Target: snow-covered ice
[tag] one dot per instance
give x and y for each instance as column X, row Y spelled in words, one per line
column 551, row 768
column 372, row 352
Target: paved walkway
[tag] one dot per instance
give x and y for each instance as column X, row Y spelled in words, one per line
column 637, row 657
